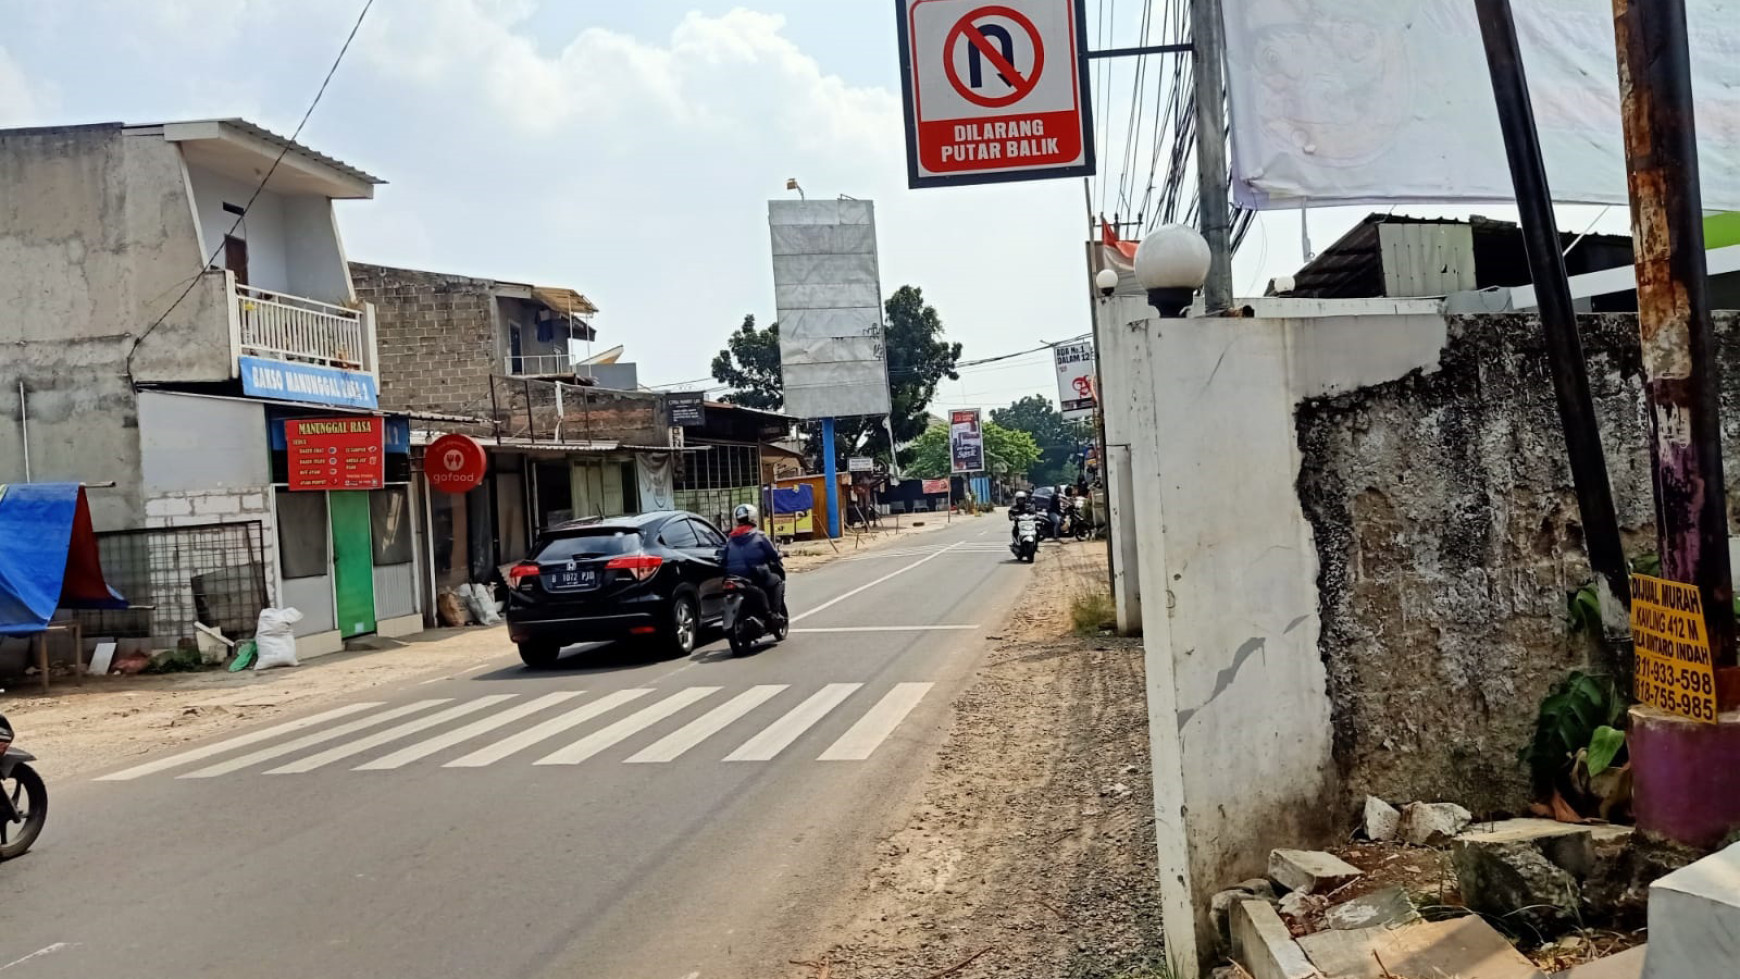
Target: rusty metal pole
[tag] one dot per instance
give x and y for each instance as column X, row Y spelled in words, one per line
column 1534, row 201
column 1673, row 306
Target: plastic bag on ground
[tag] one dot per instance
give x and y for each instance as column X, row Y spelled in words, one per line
column 275, row 638
column 479, row 603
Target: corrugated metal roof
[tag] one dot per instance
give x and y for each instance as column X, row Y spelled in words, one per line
column 262, row 133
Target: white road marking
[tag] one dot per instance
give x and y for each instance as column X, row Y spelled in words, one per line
column 893, row 628
column 424, row 749
column 674, row 744
column 391, row 734
column 862, row 738
column 309, row 741
column 781, row 733
column 549, row 729
column 49, row 950
column 830, row 603
column 255, row 737
column 641, row 719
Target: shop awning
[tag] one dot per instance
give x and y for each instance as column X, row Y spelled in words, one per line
column 48, row 556
column 422, row 437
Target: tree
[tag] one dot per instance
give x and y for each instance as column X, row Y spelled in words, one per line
column 1058, row 438
column 918, row 360
column 1006, row 451
column 750, row 364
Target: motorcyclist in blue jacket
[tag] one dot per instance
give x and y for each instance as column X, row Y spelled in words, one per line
column 751, row 556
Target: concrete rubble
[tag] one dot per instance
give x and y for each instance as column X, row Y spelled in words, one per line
column 1379, row 909
column 1264, row 947
column 1383, row 822
column 1311, row 871
column 1466, row 947
column 1432, row 823
column 1531, row 870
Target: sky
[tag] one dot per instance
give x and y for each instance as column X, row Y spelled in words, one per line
column 623, row 149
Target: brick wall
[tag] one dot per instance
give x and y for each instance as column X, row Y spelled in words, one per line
column 436, row 337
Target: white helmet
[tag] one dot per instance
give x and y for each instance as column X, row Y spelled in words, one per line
column 1020, row 495
column 746, row 513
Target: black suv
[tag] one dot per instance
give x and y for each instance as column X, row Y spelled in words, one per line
column 654, row 576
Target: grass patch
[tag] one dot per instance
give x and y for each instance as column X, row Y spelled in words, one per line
column 1092, row 612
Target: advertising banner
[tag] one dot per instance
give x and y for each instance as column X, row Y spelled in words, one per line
column 829, row 297
column 966, row 441
column 263, row 378
column 1075, row 379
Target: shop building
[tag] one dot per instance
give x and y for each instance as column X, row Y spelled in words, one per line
column 192, row 337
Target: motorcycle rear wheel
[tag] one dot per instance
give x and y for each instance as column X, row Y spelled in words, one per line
column 738, row 637
column 30, row 797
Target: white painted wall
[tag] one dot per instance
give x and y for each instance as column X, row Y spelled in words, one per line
column 1239, row 710
column 314, row 252
column 263, row 227
column 195, row 443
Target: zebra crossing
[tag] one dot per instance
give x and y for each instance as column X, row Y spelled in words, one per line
column 376, row 736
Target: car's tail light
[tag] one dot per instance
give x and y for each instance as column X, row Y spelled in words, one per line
column 641, row 566
column 731, row 584
column 519, row 573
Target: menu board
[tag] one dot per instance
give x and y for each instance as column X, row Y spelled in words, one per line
column 345, row 453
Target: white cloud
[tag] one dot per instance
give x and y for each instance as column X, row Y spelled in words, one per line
column 23, row 102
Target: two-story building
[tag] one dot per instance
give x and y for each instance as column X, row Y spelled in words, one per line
column 179, row 321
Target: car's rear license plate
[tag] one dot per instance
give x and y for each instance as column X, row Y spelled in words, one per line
column 573, row 580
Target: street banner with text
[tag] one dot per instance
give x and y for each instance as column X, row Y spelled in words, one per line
column 1674, row 669
column 966, row 441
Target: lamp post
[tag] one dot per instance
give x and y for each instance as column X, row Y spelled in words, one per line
column 1172, row 263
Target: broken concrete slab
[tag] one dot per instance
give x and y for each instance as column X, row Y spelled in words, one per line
column 1382, row 820
column 1467, row 948
column 1312, row 871
column 1567, row 845
column 1264, row 947
column 1257, row 887
column 1626, row 965
column 1432, row 823
column 1694, row 919
column 1386, row 909
column 1516, row 881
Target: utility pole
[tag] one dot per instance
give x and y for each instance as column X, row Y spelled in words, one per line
column 1210, row 42
column 1673, row 306
column 1534, row 200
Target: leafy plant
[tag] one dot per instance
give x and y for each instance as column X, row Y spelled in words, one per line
column 1604, row 747
column 1566, row 724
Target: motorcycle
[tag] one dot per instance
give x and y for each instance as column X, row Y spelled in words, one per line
column 1026, row 542
column 747, row 617
column 23, row 798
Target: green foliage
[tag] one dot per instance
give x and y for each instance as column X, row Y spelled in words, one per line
column 1567, row 722
column 1057, row 438
column 1604, row 746
column 750, row 364
column 1091, row 612
column 1005, row 452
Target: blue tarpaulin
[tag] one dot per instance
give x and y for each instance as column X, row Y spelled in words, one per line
column 794, row 500
column 48, row 556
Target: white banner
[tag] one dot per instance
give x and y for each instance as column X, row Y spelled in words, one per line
column 1378, row 101
column 829, row 297
column 1075, row 379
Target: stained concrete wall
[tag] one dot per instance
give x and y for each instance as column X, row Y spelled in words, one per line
column 97, row 242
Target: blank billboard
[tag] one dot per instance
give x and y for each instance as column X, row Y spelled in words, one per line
column 829, row 299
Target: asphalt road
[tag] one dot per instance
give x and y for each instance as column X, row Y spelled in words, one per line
column 616, row 818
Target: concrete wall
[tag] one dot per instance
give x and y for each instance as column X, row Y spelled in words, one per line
column 436, row 335
column 314, row 252
column 97, row 242
column 263, row 228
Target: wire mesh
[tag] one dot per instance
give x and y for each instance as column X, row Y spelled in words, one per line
column 176, row 576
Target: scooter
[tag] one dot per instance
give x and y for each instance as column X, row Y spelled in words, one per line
column 747, row 617
column 23, row 798
column 1026, row 542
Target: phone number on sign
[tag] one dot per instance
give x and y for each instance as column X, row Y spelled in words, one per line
column 1696, row 706
column 1665, row 673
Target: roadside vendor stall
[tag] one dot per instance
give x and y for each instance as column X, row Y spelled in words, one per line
column 48, row 562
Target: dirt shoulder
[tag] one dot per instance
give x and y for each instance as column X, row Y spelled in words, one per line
column 77, row 730
column 810, row 555
column 1031, row 850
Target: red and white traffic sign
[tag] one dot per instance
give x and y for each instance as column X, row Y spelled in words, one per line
column 995, row 90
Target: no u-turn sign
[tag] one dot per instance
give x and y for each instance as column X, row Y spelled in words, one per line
column 994, row 90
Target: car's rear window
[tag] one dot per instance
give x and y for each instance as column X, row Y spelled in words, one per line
column 601, row 543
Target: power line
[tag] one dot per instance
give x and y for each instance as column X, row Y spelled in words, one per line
column 259, row 189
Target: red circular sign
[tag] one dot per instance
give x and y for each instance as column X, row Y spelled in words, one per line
column 1021, row 86
column 455, row 463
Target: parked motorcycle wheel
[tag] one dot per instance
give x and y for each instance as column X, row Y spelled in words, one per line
column 30, row 798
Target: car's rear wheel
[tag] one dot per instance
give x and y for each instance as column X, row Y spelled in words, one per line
column 540, row 655
column 682, row 624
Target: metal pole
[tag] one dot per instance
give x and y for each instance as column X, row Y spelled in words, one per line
column 1564, row 346
column 1673, row 306
column 24, row 427
column 830, row 471
column 1211, row 177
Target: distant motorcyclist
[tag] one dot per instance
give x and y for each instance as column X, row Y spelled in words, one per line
column 1019, row 506
column 751, row 556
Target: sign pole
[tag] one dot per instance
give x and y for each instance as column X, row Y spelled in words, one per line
column 1211, row 152
column 830, row 470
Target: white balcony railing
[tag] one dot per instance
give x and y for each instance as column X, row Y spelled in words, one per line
column 285, row 327
column 534, row 365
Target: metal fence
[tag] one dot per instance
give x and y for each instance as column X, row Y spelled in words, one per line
column 176, row 576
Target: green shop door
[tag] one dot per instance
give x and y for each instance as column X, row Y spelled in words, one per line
column 353, row 563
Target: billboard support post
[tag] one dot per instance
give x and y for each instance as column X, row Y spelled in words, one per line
column 830, row 473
